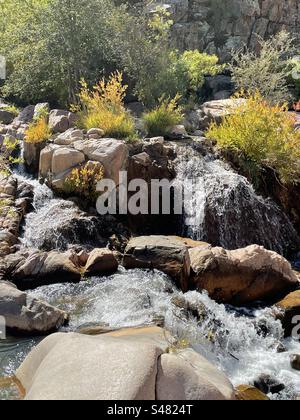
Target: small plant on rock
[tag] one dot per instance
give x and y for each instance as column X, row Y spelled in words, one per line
column 161, row 119
column 103, row 107
column 38, row 131
column 83, row 181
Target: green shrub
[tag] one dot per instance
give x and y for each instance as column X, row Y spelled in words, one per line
column 103, row 107
column 83, row 181
column 294, row 76
column 162, row 118
column 38, row 131
column 13, row 109
column 266, row 71
column 261, row 135
column 197, row 65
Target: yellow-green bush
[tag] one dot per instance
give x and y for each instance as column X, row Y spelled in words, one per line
column 161, row 119
column 103, row 107
column 38, row 131
column 83, row 181
column 263, row 136
column 197, row 65
column 13, row 109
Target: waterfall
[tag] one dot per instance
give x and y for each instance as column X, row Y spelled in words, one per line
column 56, row 223
column 224, row 210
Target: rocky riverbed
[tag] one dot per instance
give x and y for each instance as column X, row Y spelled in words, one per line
column 215, row 280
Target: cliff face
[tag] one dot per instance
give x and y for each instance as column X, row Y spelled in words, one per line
column 217, row 26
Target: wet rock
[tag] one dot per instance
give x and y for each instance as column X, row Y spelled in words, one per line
column 31, row 269
column 126, row 364
column 152, row 160
column 15, row 201
column 280, row 348
column 287, row 310
column 242, row 276
column 6, row 117
column 100, row 262
column 31, row 154
column 225, row 200
column 218, row 87
column 92, row 329
column 269, row 385
column 295, row 361
column 83, row 257
column 162, row 253
column 250, row 393
column 26, row 315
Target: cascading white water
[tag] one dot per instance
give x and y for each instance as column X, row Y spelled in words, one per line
column 136, row 297
column 55, row 223
column 223, row 208
column 230, row 338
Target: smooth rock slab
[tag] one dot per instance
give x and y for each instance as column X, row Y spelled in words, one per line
column 79, row 367
column 26, row 315
column 129, row 364
column 163, row 253
column 64, row 159
column 189, row 376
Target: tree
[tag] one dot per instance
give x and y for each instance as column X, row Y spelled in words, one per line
column 53, row 45
column 267, row 71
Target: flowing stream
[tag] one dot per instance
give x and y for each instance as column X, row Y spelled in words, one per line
column 232, row 339
column 243, row 343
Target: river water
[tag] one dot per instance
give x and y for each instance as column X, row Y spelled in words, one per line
column 230, row 338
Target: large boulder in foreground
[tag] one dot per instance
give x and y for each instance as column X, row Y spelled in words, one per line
column 287, row 311
column 26, row 315
column 242, row 276
column 122, row 365
column 163, row 253
column 30, row 269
